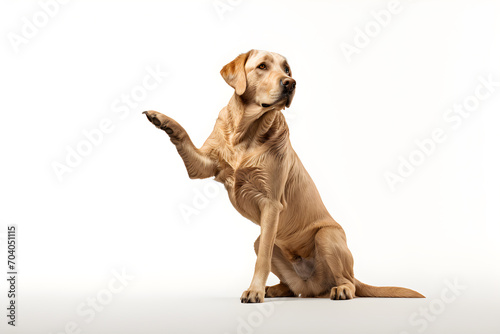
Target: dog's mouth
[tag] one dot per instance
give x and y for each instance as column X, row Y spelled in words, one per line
column 285, row 99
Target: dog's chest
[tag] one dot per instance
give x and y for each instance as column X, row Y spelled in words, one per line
column 242, row 172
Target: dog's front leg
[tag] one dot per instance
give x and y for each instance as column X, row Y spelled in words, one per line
column 270, row 211
column 198, row 164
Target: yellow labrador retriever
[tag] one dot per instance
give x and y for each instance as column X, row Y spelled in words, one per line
column 249, row 151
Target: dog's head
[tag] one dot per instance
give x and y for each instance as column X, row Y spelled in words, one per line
column 261, row 77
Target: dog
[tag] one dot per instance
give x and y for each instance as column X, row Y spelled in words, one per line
column 249, row 151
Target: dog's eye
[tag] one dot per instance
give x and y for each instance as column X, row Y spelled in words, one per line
column 287, row 70
column 262, row 66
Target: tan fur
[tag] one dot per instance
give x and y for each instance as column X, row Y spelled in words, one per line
column 249, row 151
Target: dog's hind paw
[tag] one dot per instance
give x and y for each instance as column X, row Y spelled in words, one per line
column 279, row 290
column 341, row 292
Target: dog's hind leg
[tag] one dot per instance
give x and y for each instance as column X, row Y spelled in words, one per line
column 279, row 290
column 332, row 249
column 197, row 162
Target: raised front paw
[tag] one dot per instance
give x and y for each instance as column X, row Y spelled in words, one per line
column 167, row 124
column 252, row 296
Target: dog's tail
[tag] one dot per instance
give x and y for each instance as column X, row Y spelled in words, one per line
column 365, row 290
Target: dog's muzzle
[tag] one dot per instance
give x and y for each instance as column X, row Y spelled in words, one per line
column 288, row 85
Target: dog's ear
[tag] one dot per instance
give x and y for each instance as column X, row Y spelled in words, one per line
column 234, row 73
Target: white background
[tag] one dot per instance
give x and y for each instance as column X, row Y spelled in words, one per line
column 349, row 122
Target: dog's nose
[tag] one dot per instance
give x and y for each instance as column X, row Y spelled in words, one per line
column 288, row 84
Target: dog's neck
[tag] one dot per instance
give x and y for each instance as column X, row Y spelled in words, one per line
column 250, row 122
